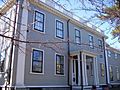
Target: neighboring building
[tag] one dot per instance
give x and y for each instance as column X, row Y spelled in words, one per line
column 52, row 49
column 113, row 58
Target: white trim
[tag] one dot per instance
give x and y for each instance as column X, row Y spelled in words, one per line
column 31, row 62
column 34, row 22
column 97, row 70
column 42, row 86
column 115, row 83
column 21, row 56
column 79, row 82
column 63, row 29
column 55, row 65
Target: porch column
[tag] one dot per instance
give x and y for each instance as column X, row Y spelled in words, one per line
column 96, row 78
column 84, row 70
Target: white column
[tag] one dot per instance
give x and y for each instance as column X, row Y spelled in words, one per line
column 96, row 77
column 21, row 55
column 84, row 70
column 78, row 69
column 108, row 75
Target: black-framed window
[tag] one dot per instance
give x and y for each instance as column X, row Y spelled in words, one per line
column 100, row 43
column 111, row 73
column 39, row 21
column 37, row 61
column 91, row 43
column 59, row 29
column 102, row 67
column 59, row 64
column 77, row 36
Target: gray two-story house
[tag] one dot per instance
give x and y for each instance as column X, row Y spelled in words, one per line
column 51, row 48
column 113, row 58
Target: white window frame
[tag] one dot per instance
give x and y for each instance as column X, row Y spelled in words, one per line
column 77, row 36
column 56, row 29
column 92, row 47
column 117, row 73
column 100, row 44
column 110, row 72
column 56, row 67
column 116, row 55
column 32, row 60
column 102, row 68
column 34, row 21
column 109, row 53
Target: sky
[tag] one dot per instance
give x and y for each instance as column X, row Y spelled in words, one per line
column 86, row 15
column 73, row 4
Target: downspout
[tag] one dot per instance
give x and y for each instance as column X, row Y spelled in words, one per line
column 106, row 73
column 68, row 52
column 81, row 70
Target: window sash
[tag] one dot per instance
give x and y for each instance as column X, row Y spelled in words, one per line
column 39, row 21
column 111, row 73
column 37, row 61
column 102, row 70
column 100, row 44
column 59, row 29
column 60, row 64
column 77, row 36
column 118, row 74
column 115, row 55
column 91, row 44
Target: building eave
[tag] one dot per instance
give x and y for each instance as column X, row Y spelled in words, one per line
column 6, row 6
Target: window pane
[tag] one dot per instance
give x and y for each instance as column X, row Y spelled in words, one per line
column 37, row 61
column 59, row 29
column 77, row 32
column 60, row 64
column 39, row 21
column 77, row 40
column 111, row 73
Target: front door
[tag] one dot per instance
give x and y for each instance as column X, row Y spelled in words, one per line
column 75, row 70
column 90, row 70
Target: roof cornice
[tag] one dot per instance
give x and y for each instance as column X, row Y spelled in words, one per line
column 7, row 6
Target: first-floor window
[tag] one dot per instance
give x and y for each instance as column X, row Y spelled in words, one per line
column 118, row 75
column 111, row 73
column 59, row 64
column 102, row 67
column 37, row 61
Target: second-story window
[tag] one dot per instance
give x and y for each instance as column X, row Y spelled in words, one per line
column 39, row 21
column 115, row 55
column 37, row 61
column 100, row 44
column 77, row 36
column 59, row 29
column 59, row 64
column 91, row 41
column 109, row 53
